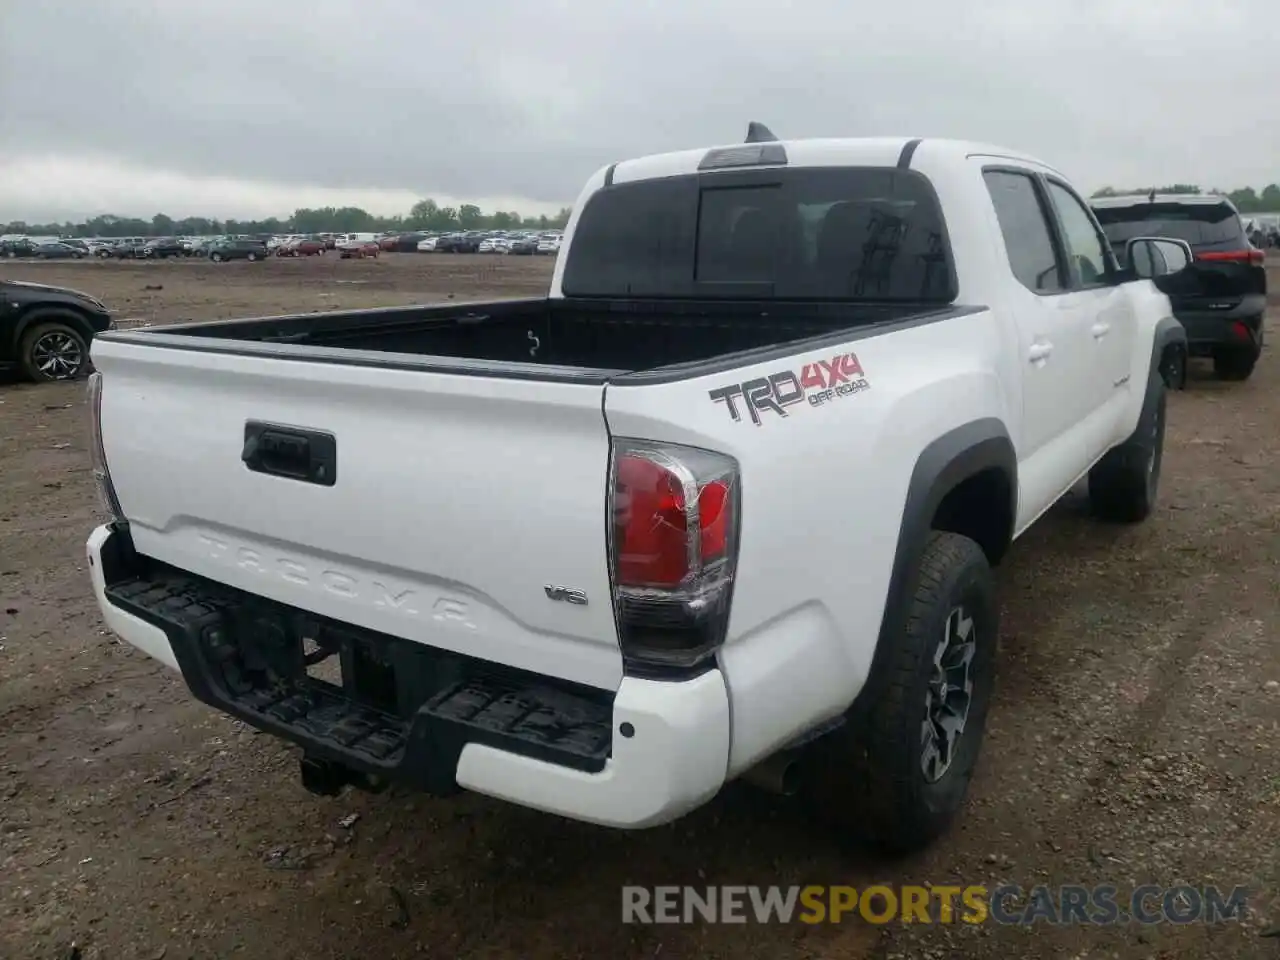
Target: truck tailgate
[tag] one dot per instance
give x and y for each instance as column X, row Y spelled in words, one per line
column 455, row 500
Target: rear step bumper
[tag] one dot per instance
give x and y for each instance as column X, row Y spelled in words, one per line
column 407, row 712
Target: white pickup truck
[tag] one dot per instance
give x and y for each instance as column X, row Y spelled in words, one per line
column 723, row 504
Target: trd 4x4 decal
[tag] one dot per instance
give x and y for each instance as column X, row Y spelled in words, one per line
column 817, row 383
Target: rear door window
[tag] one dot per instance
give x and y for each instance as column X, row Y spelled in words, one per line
column 1024, row 224
column 849, row 233
column 1086, row 248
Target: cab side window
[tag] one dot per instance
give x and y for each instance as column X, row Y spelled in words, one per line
column 1086, row 250
column 1028, row 239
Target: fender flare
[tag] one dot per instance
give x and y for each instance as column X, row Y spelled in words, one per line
column 1168, row 333
column 949, row 460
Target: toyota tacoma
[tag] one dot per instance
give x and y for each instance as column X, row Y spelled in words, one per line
column 724, row 504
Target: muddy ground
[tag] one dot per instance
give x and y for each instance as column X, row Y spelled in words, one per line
column 1134, row 738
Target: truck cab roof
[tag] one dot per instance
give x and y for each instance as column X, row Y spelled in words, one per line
column 824, row 152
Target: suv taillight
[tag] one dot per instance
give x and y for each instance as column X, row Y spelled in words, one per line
column 98, row 454
column 1251, row 255
column 674, row 551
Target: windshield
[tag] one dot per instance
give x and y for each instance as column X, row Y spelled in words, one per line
column 841, row 233
column 1203, row 225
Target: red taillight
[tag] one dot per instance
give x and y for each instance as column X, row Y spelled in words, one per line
column 1253, row 255
column 674, row 519
column 652, row 523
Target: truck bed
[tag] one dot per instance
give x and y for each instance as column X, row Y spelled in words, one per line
column 587, row 335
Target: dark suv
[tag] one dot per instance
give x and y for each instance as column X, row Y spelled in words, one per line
column 163, row 248
column 237, row 250
column 1226, row 322
column 45, row 331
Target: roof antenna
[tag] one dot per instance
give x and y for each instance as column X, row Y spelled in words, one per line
column 758, row 133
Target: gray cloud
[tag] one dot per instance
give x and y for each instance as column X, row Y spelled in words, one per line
column 522, row 99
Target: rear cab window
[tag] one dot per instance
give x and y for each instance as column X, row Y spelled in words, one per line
column 797, row 233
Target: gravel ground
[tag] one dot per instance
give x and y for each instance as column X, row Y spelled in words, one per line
column 1134, row 737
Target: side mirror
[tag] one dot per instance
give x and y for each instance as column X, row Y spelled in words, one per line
column 1151, row 257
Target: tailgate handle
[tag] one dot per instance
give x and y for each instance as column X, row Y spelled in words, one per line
column 296, row 454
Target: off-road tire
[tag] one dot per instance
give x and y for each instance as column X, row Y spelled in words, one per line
column 1124, row 484
column 46, row 334
column 865, row 780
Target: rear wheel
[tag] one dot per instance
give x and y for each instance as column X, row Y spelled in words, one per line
column 1235, row 363
column 53, row 351
column 1123, row 485
column 252, row 256
column 897, row 773
column 215, row 257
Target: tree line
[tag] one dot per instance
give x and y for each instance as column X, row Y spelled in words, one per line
column 429, row 215
column 425, row 215
column 1246, row 199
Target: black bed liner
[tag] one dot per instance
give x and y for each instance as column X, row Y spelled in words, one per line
column 553, row 338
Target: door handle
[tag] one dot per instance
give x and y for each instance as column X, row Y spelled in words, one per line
column 1100, row 330
column 1039, row 352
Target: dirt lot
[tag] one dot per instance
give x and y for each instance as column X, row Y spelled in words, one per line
column 1134, row 738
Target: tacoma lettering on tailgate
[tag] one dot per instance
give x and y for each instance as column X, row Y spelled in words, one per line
column 816, row 383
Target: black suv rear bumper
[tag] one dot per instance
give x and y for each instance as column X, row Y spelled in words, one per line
column 1239, row 325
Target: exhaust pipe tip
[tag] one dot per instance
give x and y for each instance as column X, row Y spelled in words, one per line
column 326, row 778
column 323, row 778
column 778, row 774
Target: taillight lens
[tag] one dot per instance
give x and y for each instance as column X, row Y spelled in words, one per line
column 98, row 454
column 674, row 551
column 1252, row 255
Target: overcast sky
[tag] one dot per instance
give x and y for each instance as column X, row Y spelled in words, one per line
column 254, row 107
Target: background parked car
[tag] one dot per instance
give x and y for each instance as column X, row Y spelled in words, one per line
column 494, row 245
column 301, row 247
column 17, row 248
column 57, row 251
column 237, row 250
column 458, row 243
column 402, row 242
column 524, row 246
column 427, row 244
column 358, row 249
column 164, row 248
column 134, row 248
column 1225, row 322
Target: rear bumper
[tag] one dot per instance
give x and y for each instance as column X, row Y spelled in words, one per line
column 645, row 755
column 1238, row 325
